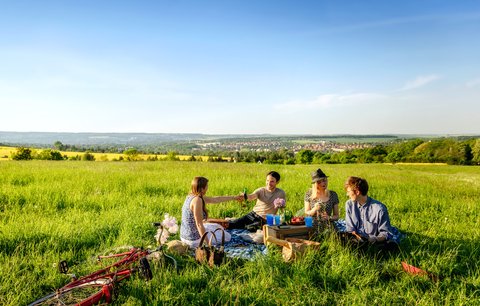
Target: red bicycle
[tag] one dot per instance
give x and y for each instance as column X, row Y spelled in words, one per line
column 100, row 285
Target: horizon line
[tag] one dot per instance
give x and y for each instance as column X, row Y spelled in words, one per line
column 256, row 134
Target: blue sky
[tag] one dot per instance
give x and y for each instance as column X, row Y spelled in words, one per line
column 236, row 67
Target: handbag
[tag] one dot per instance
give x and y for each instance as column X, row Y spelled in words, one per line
column 208, row 253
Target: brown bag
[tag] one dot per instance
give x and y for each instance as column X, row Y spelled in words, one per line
column 293, row 248
column 208, row 253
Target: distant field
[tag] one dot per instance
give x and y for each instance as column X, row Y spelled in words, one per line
column 346, row 140
column 6, row 152
column 52, row 210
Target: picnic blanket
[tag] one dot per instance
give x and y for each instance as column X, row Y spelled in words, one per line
column 241, row 245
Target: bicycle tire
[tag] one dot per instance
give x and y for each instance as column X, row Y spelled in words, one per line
column 145, row 270
column 83, row 295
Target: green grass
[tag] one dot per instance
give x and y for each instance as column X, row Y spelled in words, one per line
column 76, row 210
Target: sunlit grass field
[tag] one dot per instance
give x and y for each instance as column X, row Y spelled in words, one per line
column 75, row 210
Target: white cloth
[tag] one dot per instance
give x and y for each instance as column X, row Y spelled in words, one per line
column 209, row 227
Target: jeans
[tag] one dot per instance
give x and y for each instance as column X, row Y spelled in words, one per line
column 242, row 222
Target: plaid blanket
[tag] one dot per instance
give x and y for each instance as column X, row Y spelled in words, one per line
column 238, row 247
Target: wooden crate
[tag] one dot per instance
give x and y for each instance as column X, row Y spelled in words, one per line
column 287, row 231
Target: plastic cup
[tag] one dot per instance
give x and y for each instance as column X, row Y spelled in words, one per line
column 277, row 219
column 308, row 221
column 270, row 219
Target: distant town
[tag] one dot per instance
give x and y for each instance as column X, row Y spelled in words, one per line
column 196, row 143
column 260, row 145
column 274, row 149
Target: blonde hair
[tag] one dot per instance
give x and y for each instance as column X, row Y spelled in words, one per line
column 315, row 191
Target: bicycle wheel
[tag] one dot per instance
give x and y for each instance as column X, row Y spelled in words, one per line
column 83, row 295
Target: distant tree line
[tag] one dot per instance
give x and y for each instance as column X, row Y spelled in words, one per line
column 23, row 153
column 463, row 151
column 442, row 150
column 447, row 150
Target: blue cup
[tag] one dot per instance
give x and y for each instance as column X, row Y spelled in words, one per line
column 308, row 221
column 277, row 219
column 270, row 219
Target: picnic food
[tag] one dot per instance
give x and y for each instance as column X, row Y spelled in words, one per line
column 297, row 220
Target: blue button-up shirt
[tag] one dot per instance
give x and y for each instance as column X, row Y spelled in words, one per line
column 368, row 220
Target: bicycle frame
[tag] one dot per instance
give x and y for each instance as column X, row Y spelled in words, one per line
column 105, row 279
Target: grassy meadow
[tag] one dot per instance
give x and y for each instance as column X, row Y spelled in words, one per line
column 72, row 210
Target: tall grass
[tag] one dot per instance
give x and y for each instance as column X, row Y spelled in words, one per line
column 76, row 210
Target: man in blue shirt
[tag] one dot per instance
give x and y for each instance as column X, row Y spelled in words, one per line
column 366, row 218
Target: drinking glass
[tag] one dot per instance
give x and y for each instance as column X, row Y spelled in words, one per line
column 269, row 219
column 277, row 219
column 308, row 221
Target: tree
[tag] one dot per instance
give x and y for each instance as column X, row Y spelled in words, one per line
column 59, row 146
column 22, row 154
column 88, row 156
column 476, row 152
column 131, row 154
column 76, row 157
column 304, row 157
column 49, row 154
column 468, row 154
column 393, row 157
column 377, row 153
column 172, row 156
column 317, row 157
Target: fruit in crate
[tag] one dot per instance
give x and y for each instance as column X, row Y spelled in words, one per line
column 297, row 220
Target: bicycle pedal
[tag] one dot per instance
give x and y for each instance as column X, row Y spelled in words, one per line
column 63, row 267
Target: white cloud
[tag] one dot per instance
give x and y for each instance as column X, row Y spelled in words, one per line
column 329, row 100
column 473, row 83
column 391, row 22
column 420, row 81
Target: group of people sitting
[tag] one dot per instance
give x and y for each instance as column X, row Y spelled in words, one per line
column 366, row 219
